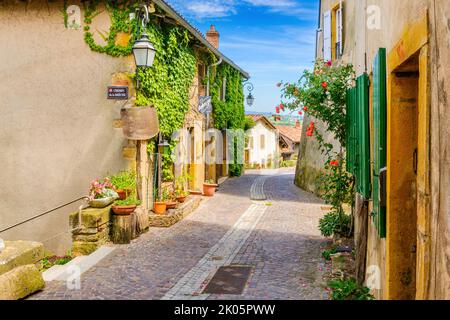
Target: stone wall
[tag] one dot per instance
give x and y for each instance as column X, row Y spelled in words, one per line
column 57, row 130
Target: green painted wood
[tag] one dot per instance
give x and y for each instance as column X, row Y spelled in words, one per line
column 351, row 131
column 380, row 136
column 363, row 137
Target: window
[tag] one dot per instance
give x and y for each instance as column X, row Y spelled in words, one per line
column 250, row 142
column 333, row 33
column 263, row 142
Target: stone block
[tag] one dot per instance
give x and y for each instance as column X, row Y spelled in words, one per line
column 82, row 248
column 19, row 253
column 87, row 237
column 129, row 152
column 20, row 282
column 91, row 217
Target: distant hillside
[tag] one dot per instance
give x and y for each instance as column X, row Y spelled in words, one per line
column 284, row 120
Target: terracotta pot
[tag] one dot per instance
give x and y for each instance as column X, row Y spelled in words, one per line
column 139, row 123
column 181, row 199
column 160, row 208
column 195, row 192
column 122, row 194
column 171, row 205
column 209, row 189
column 124, row 210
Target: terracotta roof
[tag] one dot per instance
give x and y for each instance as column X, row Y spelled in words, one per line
column 292, row 133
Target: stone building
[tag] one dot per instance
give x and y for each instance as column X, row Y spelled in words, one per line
column 58, row 130
column 402, row 49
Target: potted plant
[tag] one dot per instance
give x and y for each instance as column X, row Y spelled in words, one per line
column 181, row 184
column 171, row 201
column 209, row 188
column 124, row 183
column 125, row 207
column 160, row 206
column 102, row 193
column 181, row 195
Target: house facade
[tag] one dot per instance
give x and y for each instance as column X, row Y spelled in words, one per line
column 290, row 138
column 58, row 129
column 400, row 51
column 262, row 150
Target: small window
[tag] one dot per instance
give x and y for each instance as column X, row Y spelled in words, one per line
column 250, row 142
column 263, row 141
column 333, row 33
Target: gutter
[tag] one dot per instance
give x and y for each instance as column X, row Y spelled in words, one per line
column 183, row 22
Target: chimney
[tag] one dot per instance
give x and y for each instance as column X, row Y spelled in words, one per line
column 213, row 37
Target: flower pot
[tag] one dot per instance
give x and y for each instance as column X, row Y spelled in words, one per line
column 171, row 205
column 209, row 189
column 160, row 208
column 101, row 203
column 122, row 194
column 123, row 210
column 195, row 193
column 181, row 199
column 139, row 123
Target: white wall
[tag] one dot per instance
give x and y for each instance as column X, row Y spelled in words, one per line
column 270, row 152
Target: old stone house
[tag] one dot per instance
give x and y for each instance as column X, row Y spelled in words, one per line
column 400, row 51
column 58, row 130
column 290, row 138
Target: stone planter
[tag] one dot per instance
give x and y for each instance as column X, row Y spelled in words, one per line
column 171, row 205
column 101, row 203
column 139, row 123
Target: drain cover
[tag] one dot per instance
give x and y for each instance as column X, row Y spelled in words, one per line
column 229, row 280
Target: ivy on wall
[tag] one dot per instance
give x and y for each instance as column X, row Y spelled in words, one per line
column 229, row 113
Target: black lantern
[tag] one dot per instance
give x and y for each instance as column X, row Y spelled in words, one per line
column 250, row 98
column 144, row 52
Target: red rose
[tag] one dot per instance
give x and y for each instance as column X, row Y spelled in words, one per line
column 329, row 63
column 324, row 85
column 300, row 113
column 334, row 163
column 305, row 109
column 282, row 106
column 277, row 109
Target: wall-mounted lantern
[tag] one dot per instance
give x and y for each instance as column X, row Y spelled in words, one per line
column 250, row 98
column 144, row 52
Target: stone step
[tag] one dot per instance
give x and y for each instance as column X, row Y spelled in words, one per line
column 79, row 265
column 20, row 253
column 20, row 282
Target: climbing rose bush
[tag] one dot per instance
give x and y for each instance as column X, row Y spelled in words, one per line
column 321, row 93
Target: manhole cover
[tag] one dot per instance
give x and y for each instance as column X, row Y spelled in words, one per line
column 229, row 280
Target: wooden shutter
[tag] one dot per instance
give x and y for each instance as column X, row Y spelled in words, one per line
column 327, row 47
column 351, row 131
column 363, row 136
column 380, row 137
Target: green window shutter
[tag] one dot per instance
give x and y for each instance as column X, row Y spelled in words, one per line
column 380, row 136
column 363, row 137
column 351, row 131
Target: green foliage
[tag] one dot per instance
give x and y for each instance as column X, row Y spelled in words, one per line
column 130, row 201
column 249, row 123
column 326, row 254
column 124, row 180
column 335, row 223
column 349, row 290
column 288, row 163
column 322, row 95
column 120, row 22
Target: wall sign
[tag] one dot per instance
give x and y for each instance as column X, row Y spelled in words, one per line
column 118, row 93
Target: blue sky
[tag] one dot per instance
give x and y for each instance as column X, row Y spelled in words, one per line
column 273, row 40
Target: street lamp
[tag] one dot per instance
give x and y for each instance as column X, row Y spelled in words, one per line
column 250, row 98
column 144, row 52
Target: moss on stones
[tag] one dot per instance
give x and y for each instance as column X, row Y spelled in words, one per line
column 20, row 282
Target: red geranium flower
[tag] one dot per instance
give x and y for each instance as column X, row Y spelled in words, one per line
column 324, row 85
column 334, row 163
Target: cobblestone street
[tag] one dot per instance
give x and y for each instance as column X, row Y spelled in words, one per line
column 277, row 237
